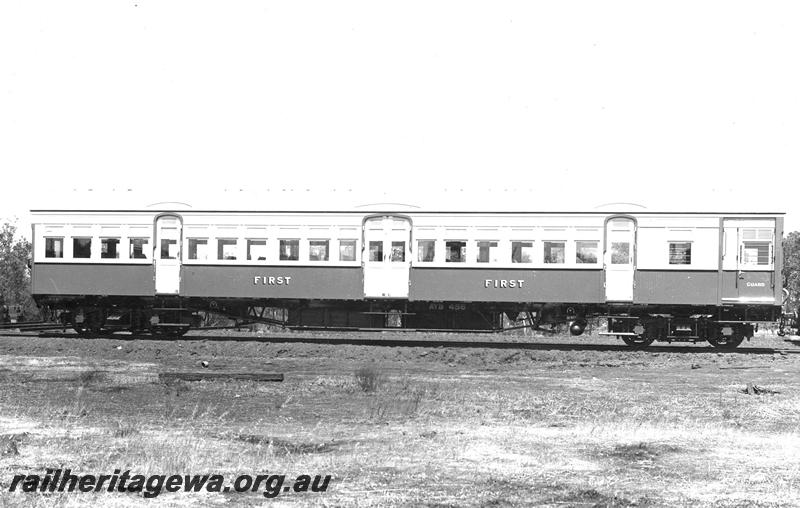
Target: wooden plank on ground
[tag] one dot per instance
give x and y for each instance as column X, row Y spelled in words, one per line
column 239, row 376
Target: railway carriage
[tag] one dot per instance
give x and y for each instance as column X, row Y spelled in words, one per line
column 652, row 275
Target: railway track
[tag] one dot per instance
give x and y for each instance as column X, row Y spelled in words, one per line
column 547, row 345
column 31, row 326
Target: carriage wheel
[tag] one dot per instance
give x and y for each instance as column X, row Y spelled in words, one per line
column 728, row 342
column 639, row 341
column 169, row 332
column 91, row 325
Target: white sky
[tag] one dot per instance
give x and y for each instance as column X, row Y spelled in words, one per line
column 630, row 101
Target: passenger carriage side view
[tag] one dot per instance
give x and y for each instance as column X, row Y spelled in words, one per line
column 650, row 276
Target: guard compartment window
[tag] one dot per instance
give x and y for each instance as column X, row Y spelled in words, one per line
column 318, row 250
column 522, row 252
column 680, row 253
column 289, row 250
column 487, row 252
column 81, row 247
column 554, row 252
column 426, row 249
column 347, row 250
column 756, row 253
column 198, row 248
column 137, row 248
column 756, row 247
column 256, row 250
column 226, row 249
column 109, row 248
column 586, row 252
column 54, row 247
column 455, row 252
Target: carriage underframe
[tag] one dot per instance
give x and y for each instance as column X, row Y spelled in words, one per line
column 638, row 326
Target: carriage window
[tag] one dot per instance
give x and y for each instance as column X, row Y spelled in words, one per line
column 554, row 252
column 226, row 249
column 54, row 247
column 680, row 253
column 318, row 250
column 81, row 247
column 198, row 248
column 455, row 252
column 169, row 248
column 426, row 250
column 522, row 252
column 756, row 253
column 376, row 251
column 487, row 252
column 256, row 250
column 586, row 252
column 137, row 248
column 109, row 248
column 620, row 253
column 347, row 250
column 289, row 250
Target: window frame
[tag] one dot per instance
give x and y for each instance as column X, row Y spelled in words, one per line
column 76, row 238
column 104, row 241
column 420, row 250
column 342, row 241
column 221, row 248
column 197, row 240
column 46, row 239
column 282, row 243
column 672, row 260
column 550, row 243
column 327, row 243
column 132, row 243
column 531, row 256
column 597, row 253
column 493, row 244
column 250, row 242
column 770, row 244
column 462, row 252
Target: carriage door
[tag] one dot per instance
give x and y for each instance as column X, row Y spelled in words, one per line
column 386, row 257
column 167, row 254
column 619, row 259
column 748, row 260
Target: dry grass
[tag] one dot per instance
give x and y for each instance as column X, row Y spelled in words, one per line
column 590, row 431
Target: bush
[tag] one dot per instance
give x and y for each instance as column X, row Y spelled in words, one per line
column 369, row 379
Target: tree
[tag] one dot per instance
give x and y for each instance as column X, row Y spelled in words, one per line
column 15, row 276
column 791, row 267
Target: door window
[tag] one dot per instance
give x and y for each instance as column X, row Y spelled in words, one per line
column 398, row 251
column 756, row 253
column 376, row 250
column 169, row 249
column 620, row 253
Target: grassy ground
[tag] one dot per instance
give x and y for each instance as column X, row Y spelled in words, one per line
column 418, row 426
